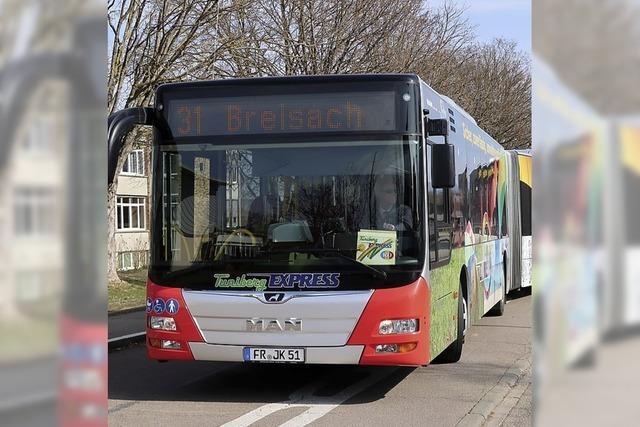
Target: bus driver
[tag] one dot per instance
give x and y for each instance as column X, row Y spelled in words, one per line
column 386, row 212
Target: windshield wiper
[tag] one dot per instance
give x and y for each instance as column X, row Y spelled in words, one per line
column 377, row 273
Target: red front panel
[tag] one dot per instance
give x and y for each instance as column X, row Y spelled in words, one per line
column 186, row 328
column 83, row 373
column 406, row 302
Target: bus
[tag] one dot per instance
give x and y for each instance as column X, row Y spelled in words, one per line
column 619, row 294
column 339, row 219
column 519, row 194
column 568, row 138
column 79, row 319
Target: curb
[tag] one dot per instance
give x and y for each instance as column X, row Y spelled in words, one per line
column 479, row 414
column 125, row 340
column 125, row 311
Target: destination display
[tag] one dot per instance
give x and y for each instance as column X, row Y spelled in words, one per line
column 273, row 114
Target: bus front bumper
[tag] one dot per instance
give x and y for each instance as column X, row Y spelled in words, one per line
column 362, row 347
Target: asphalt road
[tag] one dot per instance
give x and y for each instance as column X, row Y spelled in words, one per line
column 491, row 385
column 28, row 392
column 126, row 323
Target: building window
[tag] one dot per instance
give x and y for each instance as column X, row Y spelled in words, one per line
column 34, row 211
column 126, row 261
column 40, row 135
column 132, row 260
column 130, row 213
column 33, row 285
column 134, row 165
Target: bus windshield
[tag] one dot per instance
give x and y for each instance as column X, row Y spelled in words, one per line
column 294, row 207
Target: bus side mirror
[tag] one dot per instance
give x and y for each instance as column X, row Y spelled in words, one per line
column 119, row 125
column 443, row 166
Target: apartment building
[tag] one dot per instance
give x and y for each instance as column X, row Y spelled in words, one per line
column 32, row 214
column 133, row 212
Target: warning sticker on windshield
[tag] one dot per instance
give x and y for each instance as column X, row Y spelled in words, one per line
column 376, row 247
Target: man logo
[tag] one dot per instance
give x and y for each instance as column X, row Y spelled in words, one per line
column 274, row 297
column 274, row 325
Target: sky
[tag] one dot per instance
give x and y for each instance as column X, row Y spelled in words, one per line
column 509, row 19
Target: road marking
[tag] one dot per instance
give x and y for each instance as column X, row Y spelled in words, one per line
column 322, row 406
column 124, row 337
column 318, row 406
column 268, row 409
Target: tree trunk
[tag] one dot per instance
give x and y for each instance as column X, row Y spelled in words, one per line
column 112, row 253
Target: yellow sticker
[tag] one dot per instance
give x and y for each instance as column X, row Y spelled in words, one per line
column 376, row 247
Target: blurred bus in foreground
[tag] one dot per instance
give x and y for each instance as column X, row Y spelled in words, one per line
column 567, row 139
column 620, row 297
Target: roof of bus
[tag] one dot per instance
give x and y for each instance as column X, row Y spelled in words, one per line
column 295, row 79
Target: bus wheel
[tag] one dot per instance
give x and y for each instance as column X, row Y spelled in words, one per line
column 453, row 353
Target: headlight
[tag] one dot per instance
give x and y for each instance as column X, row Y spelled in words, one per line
column 162, row 323
column 401, row 326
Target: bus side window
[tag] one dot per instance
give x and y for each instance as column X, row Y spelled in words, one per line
column 431, row 211
column 432, row 230
column 440, row 228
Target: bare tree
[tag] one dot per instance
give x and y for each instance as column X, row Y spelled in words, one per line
column 153, row 42
column 445, row 38
column 494, row 86
column 288, row 37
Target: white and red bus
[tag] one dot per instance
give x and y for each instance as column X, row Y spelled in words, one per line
column 346, row 219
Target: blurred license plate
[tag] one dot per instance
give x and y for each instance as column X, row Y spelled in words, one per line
column 283, row 355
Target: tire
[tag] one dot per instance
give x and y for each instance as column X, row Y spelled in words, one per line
column 453, row 353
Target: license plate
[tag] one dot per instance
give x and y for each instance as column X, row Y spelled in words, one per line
column 273, row 355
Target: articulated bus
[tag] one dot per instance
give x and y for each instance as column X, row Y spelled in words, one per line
column 519, row 220
column 346, row 219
